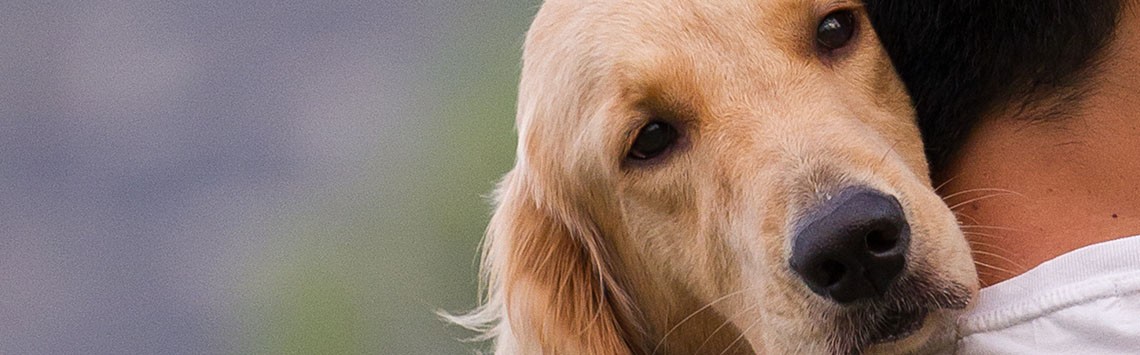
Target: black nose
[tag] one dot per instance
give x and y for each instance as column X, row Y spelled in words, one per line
column 852, row 246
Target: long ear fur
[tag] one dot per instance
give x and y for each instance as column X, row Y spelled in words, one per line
column 549, row 286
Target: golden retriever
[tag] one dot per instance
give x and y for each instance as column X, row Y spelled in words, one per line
column 717, row 176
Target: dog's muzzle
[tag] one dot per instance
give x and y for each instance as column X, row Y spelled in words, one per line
column 853, row 246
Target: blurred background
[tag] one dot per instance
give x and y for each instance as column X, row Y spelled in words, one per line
column 233, row 177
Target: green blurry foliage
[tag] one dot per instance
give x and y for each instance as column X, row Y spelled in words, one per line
column 367, row 269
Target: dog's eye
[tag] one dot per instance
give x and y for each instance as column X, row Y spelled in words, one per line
column 836, row 30
column 654, row 138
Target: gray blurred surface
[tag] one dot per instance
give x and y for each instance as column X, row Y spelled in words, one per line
column 176, row 177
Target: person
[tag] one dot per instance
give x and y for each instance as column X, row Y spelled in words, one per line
column 1030, row 112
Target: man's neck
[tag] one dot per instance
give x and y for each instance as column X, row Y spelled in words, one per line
column 1028, row 191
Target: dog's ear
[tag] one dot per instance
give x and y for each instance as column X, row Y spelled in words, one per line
column 550, row 280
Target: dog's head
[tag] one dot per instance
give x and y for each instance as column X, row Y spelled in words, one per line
column 699, row 176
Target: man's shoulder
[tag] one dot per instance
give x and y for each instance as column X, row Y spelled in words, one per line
column 1085, row 301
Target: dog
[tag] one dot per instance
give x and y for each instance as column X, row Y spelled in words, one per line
column 717, row 176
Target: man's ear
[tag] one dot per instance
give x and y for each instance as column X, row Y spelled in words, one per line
column 547, row 266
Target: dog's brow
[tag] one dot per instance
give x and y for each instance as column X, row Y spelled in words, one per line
column 665, row 107
column 673, row 97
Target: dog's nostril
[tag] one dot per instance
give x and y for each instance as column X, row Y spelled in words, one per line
column 881, row 242
column 833, row 272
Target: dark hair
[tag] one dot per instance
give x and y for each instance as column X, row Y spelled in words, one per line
column 962, row 58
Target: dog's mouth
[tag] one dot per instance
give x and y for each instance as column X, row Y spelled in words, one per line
column 898, row 315
column 897, row 325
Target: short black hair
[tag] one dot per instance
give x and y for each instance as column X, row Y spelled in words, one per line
column 962, row 58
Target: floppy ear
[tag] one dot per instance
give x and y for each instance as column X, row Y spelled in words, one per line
column 550, row 287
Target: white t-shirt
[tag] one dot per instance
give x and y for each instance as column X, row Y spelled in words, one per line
column 1084, row 302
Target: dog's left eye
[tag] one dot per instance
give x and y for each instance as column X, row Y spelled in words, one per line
column 836, row 30
column 654, row 139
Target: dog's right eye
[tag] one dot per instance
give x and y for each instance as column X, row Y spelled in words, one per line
column 836, row 29
column 654, row 139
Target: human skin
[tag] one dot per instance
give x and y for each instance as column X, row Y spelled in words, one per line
column 1029, row 190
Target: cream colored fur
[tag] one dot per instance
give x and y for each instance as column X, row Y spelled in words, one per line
column 587, row 254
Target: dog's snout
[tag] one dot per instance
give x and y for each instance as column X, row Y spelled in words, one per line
column 852, row 246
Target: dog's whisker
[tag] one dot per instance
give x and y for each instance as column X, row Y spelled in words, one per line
column 944, row 183
column 991, row 276
column 963, row 192
column 977, row 244
column 991, row 253
column 980, row 234
column 962, row 214
column 987, row 236
column 979, row 226
column 694, row 314
column 741, row 336
column 986, row 197
column 722, row 325
column 995, row 268
column 999, row 257
column 887, row 153
column 983, row 273
column 976, row 250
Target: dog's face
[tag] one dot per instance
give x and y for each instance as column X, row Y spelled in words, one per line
column 734, row 174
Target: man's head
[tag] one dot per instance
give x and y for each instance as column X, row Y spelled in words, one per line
column 964, row 59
